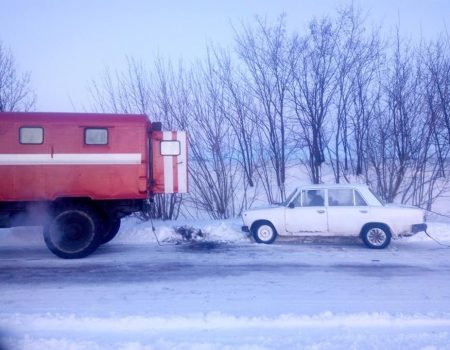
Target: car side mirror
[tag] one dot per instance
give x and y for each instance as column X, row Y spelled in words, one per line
column 291, row 205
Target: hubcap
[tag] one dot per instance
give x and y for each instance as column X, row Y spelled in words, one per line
column 376, row 236
column 265, row 233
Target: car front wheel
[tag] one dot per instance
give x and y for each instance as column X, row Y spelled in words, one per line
column 264, row 232
column 376, row 236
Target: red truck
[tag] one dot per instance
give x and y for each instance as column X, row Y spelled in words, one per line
column 78, row 174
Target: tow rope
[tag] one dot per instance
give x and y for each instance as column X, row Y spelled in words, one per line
column 435, row 212
column 434, row 239
column 430, row 236
column 154, row 230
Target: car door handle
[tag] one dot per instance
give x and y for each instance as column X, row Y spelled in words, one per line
column 321, row 211
column 363, row 211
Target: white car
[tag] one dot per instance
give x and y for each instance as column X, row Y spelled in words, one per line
column 334, row 210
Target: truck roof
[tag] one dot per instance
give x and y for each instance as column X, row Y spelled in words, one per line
column 50, row 117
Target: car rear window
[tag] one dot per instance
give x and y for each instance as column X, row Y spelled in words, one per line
column 344, row 198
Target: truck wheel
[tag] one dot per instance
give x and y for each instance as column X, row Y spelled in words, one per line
column 73, row 233
column 111, row 228
column 264, row 232
column 376, row 236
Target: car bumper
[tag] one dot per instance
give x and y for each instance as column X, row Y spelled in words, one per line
column 414, row 229
column 418, row 228
column 245, row 229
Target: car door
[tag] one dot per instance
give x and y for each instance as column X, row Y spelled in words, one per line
column 347, row 212
column 307, row 214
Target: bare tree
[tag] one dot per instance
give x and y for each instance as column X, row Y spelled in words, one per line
column 357, row 55
column 430, row 177
column 364, row 97
column 393, row 142
column 437, row 72
column 135, row 91
column 313, row 89
column 266, row 53
column 213, row 167
column 15, row 90
column 336, row 94
column 239, row 109
column 123, row 92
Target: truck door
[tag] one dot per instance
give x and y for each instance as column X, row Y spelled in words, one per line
column 168, row 168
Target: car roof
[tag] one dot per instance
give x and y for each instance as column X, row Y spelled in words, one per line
column 322, row 186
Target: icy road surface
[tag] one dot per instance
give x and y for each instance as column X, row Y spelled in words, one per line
column 225, row 293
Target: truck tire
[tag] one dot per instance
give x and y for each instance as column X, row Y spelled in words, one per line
column 110, row 229
column 73, row 232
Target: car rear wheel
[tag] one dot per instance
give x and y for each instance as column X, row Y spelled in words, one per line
column 264, row 232
column 376, row 236
column 73, row 232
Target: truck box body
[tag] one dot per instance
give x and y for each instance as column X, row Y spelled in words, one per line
column 64, row 164
column 88, row 168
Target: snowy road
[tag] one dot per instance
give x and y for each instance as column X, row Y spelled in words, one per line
column 216, row 295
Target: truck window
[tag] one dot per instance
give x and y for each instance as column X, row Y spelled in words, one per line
column 96, row 136
column 31, row 135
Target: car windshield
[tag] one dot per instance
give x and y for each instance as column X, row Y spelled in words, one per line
column 289, row 198
column 382, row 202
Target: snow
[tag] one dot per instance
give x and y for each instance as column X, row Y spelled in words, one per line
column 223, row 291
column 135, row 231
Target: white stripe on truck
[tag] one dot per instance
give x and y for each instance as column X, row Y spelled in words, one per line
column 182, row 163
column 168, row 166
column 70, row 158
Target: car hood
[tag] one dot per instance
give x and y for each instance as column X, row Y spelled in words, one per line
column 265, row 207
column 267, row 212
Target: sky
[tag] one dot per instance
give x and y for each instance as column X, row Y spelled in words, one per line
column 65, row 44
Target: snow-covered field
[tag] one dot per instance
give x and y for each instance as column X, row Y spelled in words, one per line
column 225, row 292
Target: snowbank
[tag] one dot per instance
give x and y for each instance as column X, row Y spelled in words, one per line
column 216, row 321
column 21, row 236
column 219, row 331
column 239, row 295
column 438, row 230
column 135, row 231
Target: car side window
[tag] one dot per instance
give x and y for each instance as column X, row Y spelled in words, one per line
column 313, row 198
column 340, row 197
column 345, row 198
column 359, row 200
column 297, row 201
